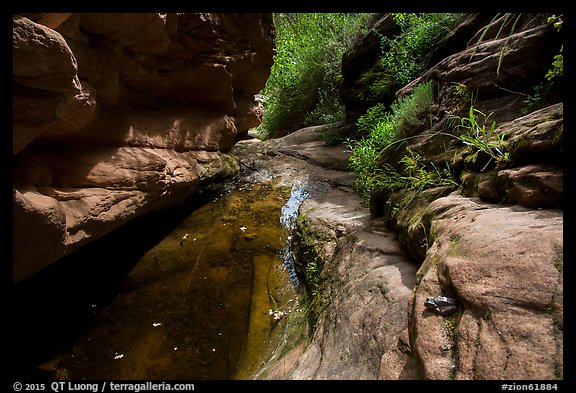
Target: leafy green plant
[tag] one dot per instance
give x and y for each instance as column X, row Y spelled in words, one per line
column 373, row 116
column 557, row 66
column 363, row 162
column 327, row 110
column 331, row 137
column 379, row 129
column 461, row 94
column 415, row 175
column 558, row 63
column 482, row 137
column 539, row 98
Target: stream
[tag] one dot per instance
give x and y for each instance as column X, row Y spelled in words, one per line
column 169, row 296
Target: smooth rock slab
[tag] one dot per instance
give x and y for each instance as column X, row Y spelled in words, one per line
column 504, row 266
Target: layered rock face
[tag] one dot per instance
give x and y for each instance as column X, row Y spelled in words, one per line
column 495, row 244
column 491, row 244
column 116, row 115
column 504, row 265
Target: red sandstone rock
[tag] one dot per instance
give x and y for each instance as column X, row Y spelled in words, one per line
column 119, row 114
column 504, row 266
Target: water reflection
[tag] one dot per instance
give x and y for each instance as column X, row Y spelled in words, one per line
column 288, row 216
column 196, row 305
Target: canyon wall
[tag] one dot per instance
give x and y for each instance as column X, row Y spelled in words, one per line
column 116, row 115
column 495, row 242
column 454, row 282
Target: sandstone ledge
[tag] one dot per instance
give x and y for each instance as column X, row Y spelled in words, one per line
column 504, row 266
column 51, row 221
column 119, row 114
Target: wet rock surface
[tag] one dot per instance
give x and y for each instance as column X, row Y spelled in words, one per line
column 485, row 267
column 365, row 278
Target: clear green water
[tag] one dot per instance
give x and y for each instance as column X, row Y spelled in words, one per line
column 193, row 305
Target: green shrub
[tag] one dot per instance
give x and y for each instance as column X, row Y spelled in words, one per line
column 302, row 87
column 327, row 110
column 363, row 162
column 382, row 128
column 538, row 99
column 371, row 121
column 407, row 55
column 408, row 110
column 414, row 175
column 379, row 83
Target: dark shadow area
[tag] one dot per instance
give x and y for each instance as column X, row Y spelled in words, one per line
column 54, row 307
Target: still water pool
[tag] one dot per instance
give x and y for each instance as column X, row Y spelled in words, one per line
column 196, row 304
